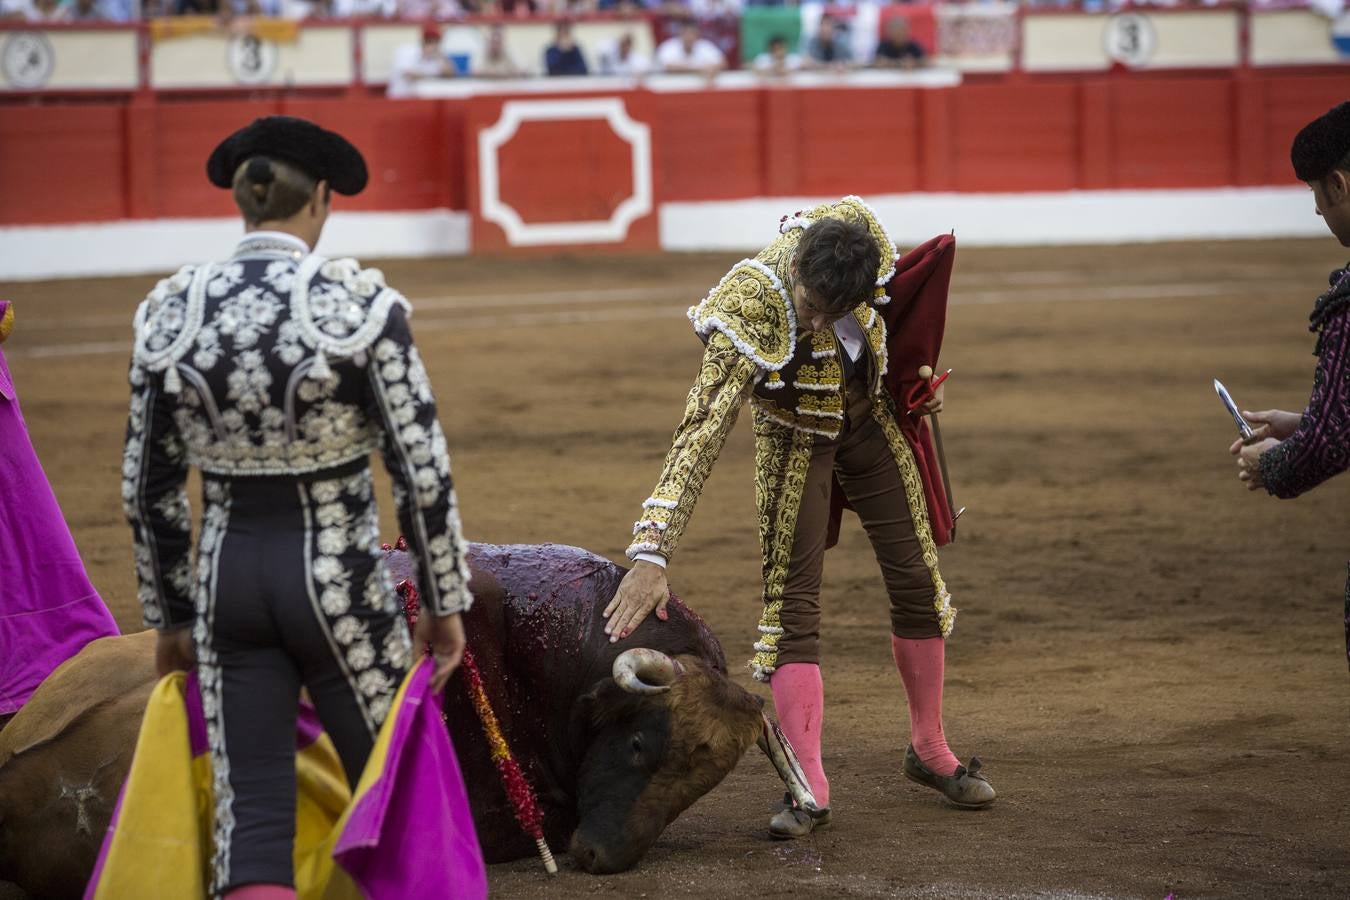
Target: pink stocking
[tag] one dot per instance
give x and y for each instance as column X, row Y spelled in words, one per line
column 261, row 892
column 799, row 696
column 920, row 664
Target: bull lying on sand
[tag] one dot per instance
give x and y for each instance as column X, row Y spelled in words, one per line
column 617, row 741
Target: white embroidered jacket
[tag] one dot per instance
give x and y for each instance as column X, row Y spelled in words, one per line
column 278, row 363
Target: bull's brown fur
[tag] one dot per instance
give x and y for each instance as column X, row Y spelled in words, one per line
column 56, row 796
column 712, row 724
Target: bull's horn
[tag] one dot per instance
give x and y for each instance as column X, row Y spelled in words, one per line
column 645, row 671
column 779, row 751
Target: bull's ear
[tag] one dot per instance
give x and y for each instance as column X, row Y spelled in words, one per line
column 586, row 707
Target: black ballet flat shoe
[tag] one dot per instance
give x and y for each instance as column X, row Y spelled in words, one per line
column 793, row 822
column 965, row 788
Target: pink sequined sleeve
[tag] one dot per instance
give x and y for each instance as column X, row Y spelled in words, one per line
column 1320, row 448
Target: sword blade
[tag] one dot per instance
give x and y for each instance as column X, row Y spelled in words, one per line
column 1244, row 429
column 942, row 464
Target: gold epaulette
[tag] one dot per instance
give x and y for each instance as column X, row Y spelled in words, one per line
column 751, row 307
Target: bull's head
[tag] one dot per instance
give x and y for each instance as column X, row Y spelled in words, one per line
column 658, row 735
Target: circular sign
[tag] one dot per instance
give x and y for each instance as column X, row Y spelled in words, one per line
column 1130, row 39
column 27, row 59
column 251, row 60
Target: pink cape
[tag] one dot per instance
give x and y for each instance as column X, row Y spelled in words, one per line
column 48, row 608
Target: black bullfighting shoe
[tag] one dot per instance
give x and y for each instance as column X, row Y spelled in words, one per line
column 966, row 787
column 795, row 822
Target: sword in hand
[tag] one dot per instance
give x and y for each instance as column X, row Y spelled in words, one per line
column 926, row 373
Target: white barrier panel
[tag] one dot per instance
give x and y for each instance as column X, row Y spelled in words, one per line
column 56, row 59
column 1071, row 217
column 35, row 253
column 1298, row 37
column 1162, row 40
column 220, row 58
column 379, row 43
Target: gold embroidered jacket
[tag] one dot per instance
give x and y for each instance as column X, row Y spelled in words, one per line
column 753, row 352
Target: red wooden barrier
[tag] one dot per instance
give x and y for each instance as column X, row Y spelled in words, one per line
column 144, row 158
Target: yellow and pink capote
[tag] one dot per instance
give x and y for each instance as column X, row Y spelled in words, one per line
column 406, row 830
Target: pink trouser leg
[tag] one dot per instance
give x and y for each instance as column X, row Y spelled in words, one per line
column 799, row 696
column 261, row 892
column 920, row 662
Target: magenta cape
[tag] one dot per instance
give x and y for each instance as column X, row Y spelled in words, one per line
column 48, row 608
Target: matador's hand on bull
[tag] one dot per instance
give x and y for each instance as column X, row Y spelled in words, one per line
column 642, row 590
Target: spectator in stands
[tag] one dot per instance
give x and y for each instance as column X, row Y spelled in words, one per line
column 121, row 10
column 414, row 62
column 621, row 57
column 496, row 61
column 346, row 9
column 440, row 10
column 30, row 11
column 82, row 11
column 226, row 9
column 563, row 56
column 708, row 9
column 830, row 46
column 689, row 52
column 776, row 60
column 897, row 50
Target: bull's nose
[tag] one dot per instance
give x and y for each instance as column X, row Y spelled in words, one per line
column 593, row 859
column 584, row 855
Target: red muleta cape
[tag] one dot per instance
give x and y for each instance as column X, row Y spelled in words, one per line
column 915, row 318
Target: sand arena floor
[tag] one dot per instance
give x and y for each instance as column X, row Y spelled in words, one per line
column 1148, row 659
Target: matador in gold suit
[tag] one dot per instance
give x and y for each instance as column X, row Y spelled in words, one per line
column 824, row 420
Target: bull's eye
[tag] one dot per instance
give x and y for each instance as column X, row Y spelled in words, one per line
column 637, row 743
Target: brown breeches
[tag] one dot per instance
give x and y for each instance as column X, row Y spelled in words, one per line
column 870, row 477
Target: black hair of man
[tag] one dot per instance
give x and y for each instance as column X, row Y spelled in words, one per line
column 1323, row 145
column 837, row 261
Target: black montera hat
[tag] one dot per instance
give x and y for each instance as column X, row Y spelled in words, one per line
column 1322, row 144
column 321, row 154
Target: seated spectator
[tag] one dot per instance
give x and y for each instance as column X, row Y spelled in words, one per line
column 897, row 50
column 82, row 11
column 198, row 7
column 830, row 46
column 30, row 11
column 622, row 58
column 688, row 52
column 121, row 11
column 414, row 62
column 776, row 60
column 497, row 61
column 440, row 10
column 709, row 9
column 372, row 9
column 563, row 56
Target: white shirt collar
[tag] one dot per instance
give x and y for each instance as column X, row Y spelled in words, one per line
column 276, row 241
column 851, row 335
